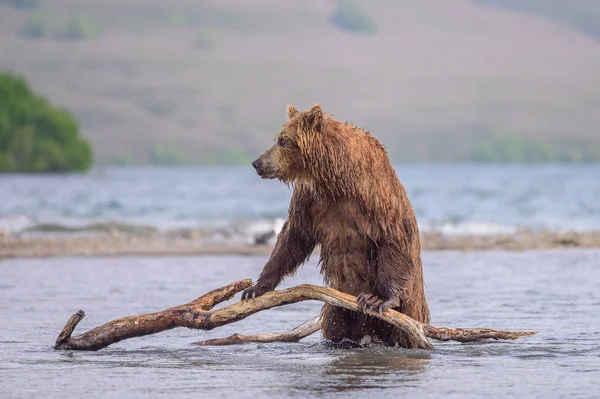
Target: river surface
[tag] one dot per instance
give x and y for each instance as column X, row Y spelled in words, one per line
column 555, row 292
column 452, row 199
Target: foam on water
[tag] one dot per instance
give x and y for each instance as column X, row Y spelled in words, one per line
column 459, row 199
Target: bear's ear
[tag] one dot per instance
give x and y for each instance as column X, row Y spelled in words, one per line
column 291, row 111
column 315, row 118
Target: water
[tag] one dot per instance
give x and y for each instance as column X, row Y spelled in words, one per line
column 556, row 292
column 449, row 198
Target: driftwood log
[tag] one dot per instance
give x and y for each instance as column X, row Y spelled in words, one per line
column 303, row 330
column 199, row 314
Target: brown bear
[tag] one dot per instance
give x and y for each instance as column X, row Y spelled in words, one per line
column 348, row 199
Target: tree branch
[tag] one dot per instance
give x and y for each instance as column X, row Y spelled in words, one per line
column 198, row 315
column 472, row 334
column 303, row 330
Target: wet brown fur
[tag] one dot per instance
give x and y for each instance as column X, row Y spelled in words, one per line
column 348, row 199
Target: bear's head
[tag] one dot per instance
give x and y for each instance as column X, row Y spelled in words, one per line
column 289, row 158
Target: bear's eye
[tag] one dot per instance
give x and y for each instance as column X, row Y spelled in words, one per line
column 282, row 142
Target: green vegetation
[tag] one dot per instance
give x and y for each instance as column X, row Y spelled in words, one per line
column 227, row 156
column 350, row 16
column 50, row 26
column 516, row 149
column 34, row 135
column 118, row 159
column 26, row 4
column 216, row 18
column 178, row 19
column 178, row 154
column 165, row 155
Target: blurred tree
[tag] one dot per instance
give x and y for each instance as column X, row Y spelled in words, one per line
column 512, row 148
column 79, row 28
column 21, row 3
column 350, row 16
column 167, row 155
column 45, row 25
column 34, row 135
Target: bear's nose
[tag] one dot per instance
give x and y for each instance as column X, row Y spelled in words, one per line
column 256, row 164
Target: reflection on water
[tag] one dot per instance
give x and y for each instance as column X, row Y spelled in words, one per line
column 556, row 292
column 379, row 368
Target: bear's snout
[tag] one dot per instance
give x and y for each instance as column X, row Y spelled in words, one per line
column 264, row 166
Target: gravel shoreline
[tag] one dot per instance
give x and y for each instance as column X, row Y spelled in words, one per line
column 116, row 244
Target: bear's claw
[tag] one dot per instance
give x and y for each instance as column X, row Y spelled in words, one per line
column 374, row 303
column 254, row 292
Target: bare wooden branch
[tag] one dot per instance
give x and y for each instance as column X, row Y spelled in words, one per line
column 198, row 315
column 195, row 314
column 303, row 330
column 69, row 328
column 472, row 334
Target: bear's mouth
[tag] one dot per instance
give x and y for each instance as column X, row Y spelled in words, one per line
column 266, row 174
column 264, row 169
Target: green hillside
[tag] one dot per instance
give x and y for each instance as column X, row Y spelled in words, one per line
column 208, row 81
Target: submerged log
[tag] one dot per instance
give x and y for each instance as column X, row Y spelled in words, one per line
column 199, row 314
column 302, row 331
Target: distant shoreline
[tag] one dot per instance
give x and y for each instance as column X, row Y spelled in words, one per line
column 189, row 244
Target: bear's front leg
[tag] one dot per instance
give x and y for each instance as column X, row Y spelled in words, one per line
column 394, row 275
column 292, row 248
column 269, row 278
